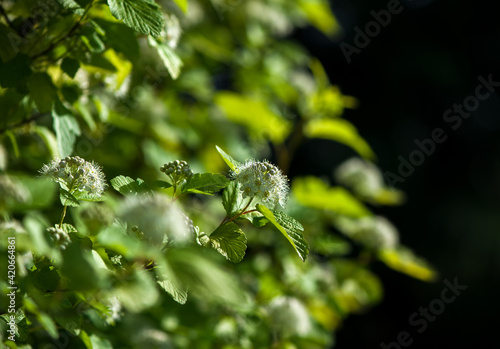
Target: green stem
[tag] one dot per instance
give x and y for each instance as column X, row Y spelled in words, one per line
column 244, row 211
column 62, row 216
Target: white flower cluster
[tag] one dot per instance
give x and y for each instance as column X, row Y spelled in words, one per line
column 362, row 176
column 264, row 181
column 76, row 175
column 59, row 236
column 374, row 231
column 155, row 218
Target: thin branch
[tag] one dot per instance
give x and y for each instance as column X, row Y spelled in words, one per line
column 22, row 122
column 55, row 43
column 4, row 14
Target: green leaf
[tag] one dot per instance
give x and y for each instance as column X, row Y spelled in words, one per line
column 92, row 40
column 9, row 41
column 73, row 6
column 42, row 91
column 138, row 292
column 183, row 4
column 144, row 16
column 120, row 38
column 289, row 227
column 49, row 139
column 320, row 15
column 205, row 183
column 405, row 261
column 68, row 199
column 100, row 343
column 341, row 131
column 313, row 192
column 232, row 199
column 255, row 115
column 180, row 296
column 331, row 245
column 230, row 241
column 48, row 324
column 129, row 186
column 66, row 129
column 46, row 279
column 115, row 238
column 233, row 164
column 162, row 184
column 14, row 71
column 168, row 56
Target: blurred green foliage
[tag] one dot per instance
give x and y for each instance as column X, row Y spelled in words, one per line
column 136, row 84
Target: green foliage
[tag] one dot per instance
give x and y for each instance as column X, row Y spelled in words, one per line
column 144, row 16
column 230, row 241
column 129, row 265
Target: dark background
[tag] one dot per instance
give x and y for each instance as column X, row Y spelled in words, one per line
column 427, row 59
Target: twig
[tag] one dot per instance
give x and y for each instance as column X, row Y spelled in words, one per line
column 4, row 14
column 22, row 122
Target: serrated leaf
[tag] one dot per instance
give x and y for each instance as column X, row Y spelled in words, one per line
column 232, row 198
column 168, row 56
column 66, row 129
column 84, row 196
column 144, row 16
column 68, row 199
column 72, row 5
column 341, row 131
column 205, row 183
column 68, row 228
column 180, row 296
column 229, row 241
column 129, row 186
column 289, row 227
column 42, row 91
column 233, row 164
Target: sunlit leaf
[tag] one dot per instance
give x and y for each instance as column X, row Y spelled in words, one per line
column 129, row 186
column 66, row 128
column 233, row 164
column 313, row 192
column 341, row 131
column 168, row 56
column 260, row 121
column 230, row 241
column 144, row 16
column 405, row 261
column 289, row 227
column 205, row 183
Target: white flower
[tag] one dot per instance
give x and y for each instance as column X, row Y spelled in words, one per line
column 264, row 181
column 289, row 316
column 362, row 176
column 76, row 175
column 156, row 218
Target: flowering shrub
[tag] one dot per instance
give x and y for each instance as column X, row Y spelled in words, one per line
column 212, row 251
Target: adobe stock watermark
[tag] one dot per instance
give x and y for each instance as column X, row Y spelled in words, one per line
column 453, row 117
column 419, row 320
column 372, row 29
